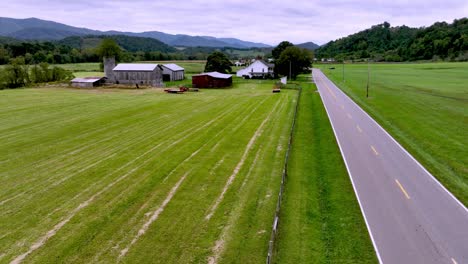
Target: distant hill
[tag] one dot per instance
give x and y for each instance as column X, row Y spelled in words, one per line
column 38, row 29
column 308, row 45
column 128, row 43
column 383, row 42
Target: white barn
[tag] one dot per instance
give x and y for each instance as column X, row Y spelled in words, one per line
column 173, row 72
column 258, row 69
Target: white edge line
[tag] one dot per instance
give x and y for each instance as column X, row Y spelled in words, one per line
column 407, row 153
column 352, row 181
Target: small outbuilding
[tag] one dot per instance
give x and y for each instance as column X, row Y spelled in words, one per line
column 173, row 72
column 138, row 73
column 88, row 82
column 211, row 80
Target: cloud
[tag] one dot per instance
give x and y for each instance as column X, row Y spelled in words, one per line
column 260, row 21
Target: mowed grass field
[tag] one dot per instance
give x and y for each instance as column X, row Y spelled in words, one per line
column 424, row 106
column 140, row 176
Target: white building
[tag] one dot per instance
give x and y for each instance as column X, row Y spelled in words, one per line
column 258, row 69
column 173, row 72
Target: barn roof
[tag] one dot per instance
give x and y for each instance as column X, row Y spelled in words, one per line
column 216, row 75
column 135, row 67
column 86, row 80
column 173, row 67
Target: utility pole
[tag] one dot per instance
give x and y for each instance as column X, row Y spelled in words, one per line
column 343, row 70
column 289, row 70
column 368, row 79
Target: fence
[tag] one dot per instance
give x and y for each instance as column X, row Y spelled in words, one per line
column 284, row 175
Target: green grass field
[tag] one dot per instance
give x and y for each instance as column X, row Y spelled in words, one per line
column 424, row 106
column 109, row 175
column 320, row 220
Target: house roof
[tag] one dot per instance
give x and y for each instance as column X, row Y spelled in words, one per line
column 270, row 65
column 135, row 67
column 173, row 67
column 215, row 75
column 86, row 80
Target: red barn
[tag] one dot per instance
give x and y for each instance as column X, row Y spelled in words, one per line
column 211, row 80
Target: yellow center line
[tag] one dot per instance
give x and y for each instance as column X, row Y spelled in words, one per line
column 454, row 261
column 406, row 194
column 359, row 129
column 349, row 116
column 374, row 150
column 331, row 92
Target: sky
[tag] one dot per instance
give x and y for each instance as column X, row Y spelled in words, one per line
column 268, row 22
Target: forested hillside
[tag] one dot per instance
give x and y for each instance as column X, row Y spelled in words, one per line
column 128, row 43
column 385, row 43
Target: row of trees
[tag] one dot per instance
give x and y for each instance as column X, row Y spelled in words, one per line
column 19, row 74
column 385, row 43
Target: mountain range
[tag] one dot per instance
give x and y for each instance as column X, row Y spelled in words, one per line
column 38, row 29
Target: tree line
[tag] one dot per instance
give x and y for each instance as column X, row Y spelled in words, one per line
column 19, row 74
column 85, row 49
column 441, row 41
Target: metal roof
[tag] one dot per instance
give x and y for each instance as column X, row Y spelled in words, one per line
column 86, row 80
column 216, row 75
column 173, row 67
column 135, row 67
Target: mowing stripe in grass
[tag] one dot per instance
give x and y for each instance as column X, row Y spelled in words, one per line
column 239, row 165
column 154, row 215
column 159, row 210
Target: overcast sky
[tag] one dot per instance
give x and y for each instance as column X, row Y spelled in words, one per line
column 260, row 21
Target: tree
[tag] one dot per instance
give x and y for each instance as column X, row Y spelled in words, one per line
column 108, row 49
column 293, row 60
column 218, row 61
column 16, row 73
column 276, row 52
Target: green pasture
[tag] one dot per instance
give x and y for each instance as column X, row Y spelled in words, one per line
column 109, row 175
column 424, row 106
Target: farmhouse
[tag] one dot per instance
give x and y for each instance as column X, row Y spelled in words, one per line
column 211, row 80
column 258, row 69
column 138, row 73
column 173, row 72
column 88, row 82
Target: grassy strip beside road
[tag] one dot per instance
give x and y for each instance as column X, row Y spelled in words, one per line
column 424, row 106
column 320, row 218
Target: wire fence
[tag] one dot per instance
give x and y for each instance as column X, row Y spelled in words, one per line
column 274, row 231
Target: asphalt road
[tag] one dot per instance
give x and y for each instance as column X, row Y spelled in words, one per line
column 410, row 216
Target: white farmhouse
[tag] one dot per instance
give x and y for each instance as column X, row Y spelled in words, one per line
column 258, row 69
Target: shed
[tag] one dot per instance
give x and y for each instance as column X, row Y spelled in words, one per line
column 138, row 73
column 173, row 72
column 88, row 82
column 211, row 80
